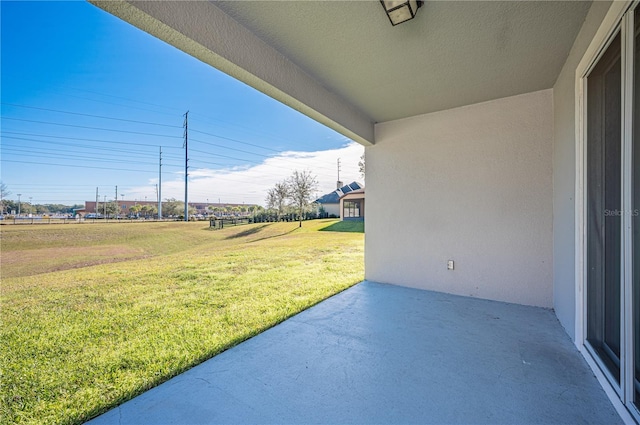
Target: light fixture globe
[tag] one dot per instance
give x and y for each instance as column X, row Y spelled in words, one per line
column 400, row 11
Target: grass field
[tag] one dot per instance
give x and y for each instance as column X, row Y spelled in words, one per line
column 345, row 226
column 93, row 315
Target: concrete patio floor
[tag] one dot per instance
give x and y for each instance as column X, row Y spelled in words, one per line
column 379, row 353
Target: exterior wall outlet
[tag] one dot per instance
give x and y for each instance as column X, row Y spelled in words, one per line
column 450, row 265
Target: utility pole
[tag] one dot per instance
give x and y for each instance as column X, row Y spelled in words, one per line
column 117, row 206
column 186, row 165
column 19, row 195
column 96, row 209
column 159, row 187
column 338, row 183
column 104, row 205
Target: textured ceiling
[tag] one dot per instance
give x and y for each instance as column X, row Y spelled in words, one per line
column 453, row 53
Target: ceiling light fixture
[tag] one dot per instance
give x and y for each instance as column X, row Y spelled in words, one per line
column 400, row 11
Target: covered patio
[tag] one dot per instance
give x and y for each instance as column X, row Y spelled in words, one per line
column 379, row 353
column 510, row 129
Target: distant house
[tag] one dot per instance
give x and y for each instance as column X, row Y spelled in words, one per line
column 352, row 205
column 330, row 203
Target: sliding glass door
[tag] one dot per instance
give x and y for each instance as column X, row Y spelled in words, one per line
column 635, row 210
column 612, row 211
column 604, row 179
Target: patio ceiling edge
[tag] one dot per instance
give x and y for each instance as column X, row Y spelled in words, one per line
column 205, row 32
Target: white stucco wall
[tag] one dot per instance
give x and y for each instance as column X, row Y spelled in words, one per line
column 332, row 209
column 564, row 171
column 473, row 185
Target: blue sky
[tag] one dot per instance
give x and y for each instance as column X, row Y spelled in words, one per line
column 87, row 100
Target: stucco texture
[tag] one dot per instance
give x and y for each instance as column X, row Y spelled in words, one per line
column 473, row 185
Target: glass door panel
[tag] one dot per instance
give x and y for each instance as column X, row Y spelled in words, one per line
column 635, row 212
column 604, row 207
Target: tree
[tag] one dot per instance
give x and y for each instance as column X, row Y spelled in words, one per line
column 63, row 209
column 149, row 210
column 302, row 186
column 277, row 198
column 41, row 209
column 4, row 192
column 111, row 208
column 217, row 211
column 10, row 205
column 361, row 165
column 173, row 207
column 135, row 209
column 27, row 208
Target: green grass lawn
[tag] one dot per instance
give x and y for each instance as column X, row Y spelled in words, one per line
column 93, row 315
column 345, row 226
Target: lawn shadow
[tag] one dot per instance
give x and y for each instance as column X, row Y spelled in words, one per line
column 275, row 236
column 247, row 232
column 345, row 226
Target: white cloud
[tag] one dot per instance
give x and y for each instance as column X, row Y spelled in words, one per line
column 250, row 184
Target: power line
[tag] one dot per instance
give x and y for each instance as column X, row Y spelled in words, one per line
column 76, row 166
column 48, row 154
column 84, row 139
column 115, row 104
column 82, row 147
column 91, row 115
column 140, row 154
column 231, row 149
column 77, row 146
column 225, row 156
column 246, row 160
column 55, row 155
column 205, row 118
column 235, row 140
column 91, row 128
column 209, row 121
column 124, row 98
column 53, row 185
column 196, row 140
column 252, row 153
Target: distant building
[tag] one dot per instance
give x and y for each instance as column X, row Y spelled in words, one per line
column 330, row 203
column 90, row 207
column 352, row 205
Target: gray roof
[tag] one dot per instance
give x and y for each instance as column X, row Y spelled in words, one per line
column 334, row 197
